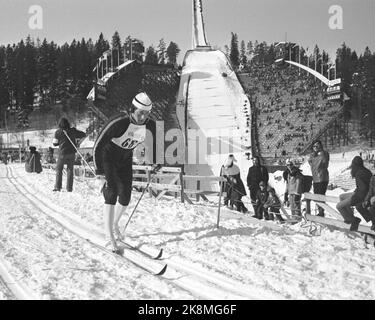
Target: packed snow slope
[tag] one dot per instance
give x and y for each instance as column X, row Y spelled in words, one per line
column 243, row 259
column 214, row 107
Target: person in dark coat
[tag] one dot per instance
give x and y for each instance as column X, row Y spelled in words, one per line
column 256, row 174
column 67, row 140
column 261, row 199
column 33, row 163
column 369, row 202
column 362, row 178
column 234, row 186
column 319, row 161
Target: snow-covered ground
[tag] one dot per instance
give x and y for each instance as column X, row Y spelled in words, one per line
column 242, row 259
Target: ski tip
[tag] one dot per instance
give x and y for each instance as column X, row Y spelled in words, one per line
column 160, row 254
column 162, row 271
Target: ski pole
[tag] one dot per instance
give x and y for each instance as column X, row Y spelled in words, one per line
column 221, row 192
column 91, row 169
column 157, row 168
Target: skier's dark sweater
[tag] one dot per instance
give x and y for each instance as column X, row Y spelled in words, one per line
column 113, row 155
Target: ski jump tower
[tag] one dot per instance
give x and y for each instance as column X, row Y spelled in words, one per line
column 212, row 109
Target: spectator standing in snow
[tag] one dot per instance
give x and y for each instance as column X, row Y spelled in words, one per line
column 319, row 161
column 32, row 163
column 293, row 189
column 261, row 199
column 256, row 174
column 234, row 186
column 67, row 140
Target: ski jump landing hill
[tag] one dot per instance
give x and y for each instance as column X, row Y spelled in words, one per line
column 213, row 110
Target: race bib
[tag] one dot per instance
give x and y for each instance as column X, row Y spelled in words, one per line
column 132, row 137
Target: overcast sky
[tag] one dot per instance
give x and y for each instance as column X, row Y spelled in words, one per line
column 304, row 21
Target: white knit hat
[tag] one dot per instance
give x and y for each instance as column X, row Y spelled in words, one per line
column 142, row 101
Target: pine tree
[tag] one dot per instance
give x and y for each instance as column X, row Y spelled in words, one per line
column 226, row 50
column 116, row 49
column 172, row 53
column 30, row 73
column 151, row 56
column 250, row 48
column 134, row 49
column 101, row 45
column 243, row 58
column 234, row 53
column 161, row 51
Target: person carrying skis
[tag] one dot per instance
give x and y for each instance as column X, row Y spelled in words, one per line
column 113, row 157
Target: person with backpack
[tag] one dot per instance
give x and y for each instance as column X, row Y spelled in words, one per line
column 32, row 163
column 319, row 161
column 294, row 188
column 362, row 178
column 66, row 138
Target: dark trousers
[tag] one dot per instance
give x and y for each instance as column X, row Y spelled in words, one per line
column 365, row 213
column 261, row 211
column 320, row 188
column 67, row 159
column 237, row 202
column 228, row 190
column 119, row 181
column 253, row 195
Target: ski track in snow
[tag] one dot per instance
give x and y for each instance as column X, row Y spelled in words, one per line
column 192, row 279
column 58, row 265
column 287, row 263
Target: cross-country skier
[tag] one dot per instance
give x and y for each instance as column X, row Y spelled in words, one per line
column 113, row 157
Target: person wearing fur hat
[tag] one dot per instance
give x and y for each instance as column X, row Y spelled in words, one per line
column 234, row 186
column 113, row 158
column 293, row 189
column 362, row 178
